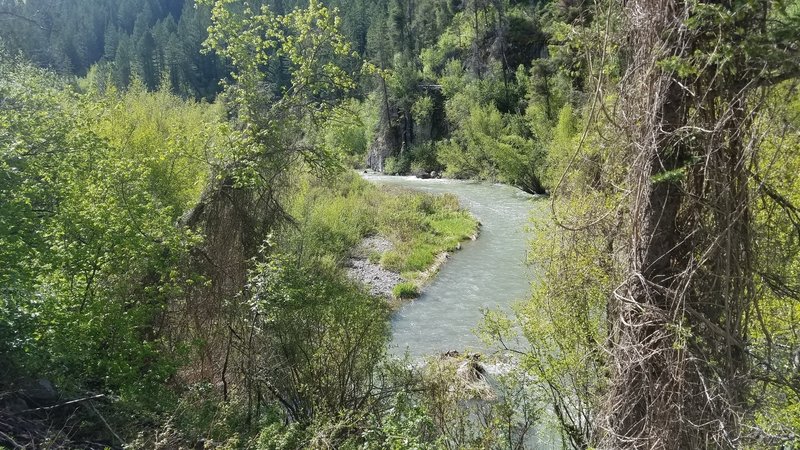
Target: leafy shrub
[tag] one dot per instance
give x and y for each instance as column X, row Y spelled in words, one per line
column 333, row 216
column 397, row 165
column 321, row 339
column 407, row 426
column 277, row 436
column 405, row 290
column 424, row 159
column 346, row 133
column 93, row 192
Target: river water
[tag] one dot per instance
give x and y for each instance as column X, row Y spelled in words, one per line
column 489, row 273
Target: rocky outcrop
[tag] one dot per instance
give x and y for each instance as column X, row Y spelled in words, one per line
column 381, row 149
column 387, row 143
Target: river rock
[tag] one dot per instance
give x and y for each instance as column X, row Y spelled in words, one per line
column 379, row 280
column 372, row 244
column 359, row 267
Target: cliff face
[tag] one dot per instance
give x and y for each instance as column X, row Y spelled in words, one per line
column 386, row 144
column 400, row 129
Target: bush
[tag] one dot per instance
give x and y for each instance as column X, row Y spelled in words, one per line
column 424, row 159
column 102, row 262
column 321, row 336
column 400, row 165
column 347, row 133
column 276, row 436
column 333, row 216
column 405, row 290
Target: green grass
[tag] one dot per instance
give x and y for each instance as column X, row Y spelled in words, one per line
column 422, row 226
column 332, row 217
column 405, row 290
column 374, row 257
column 454, row 229
column 421, row 256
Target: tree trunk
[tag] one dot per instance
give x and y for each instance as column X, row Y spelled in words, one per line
column 676, row 346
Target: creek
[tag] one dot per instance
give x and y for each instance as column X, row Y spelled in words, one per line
column 486, row 274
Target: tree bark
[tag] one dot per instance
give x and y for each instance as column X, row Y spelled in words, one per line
column 677, row 326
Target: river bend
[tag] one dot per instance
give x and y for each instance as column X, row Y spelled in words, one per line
column 488, row 273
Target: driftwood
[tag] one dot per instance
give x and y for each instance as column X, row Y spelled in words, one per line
column 60, row 405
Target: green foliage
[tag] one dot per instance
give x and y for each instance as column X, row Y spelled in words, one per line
column 397, row 165
column 175, row 143
column 279, row 437
column 346, row 131
column 90, row 249
column 95, row 178
column 321, row 337
column 468, row 410
column 306, row 49
column 492, row 146
column 564, row 320
column 423, row 107
column 407, row 426
column 334, row 215
column 775, row 334
column 116, row 42
column 421, row 227
column 454, row 100
column 307, row 39
column 424, row 159
column 405, row 290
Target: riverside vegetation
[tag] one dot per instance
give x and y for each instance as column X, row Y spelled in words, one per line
column 99, row 181
column 177, row 208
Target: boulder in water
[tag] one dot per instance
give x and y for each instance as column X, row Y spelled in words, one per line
column 451, row 354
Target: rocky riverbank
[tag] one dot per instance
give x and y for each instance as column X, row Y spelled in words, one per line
column 364, row 267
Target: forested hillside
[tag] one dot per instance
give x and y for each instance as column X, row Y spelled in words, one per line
column 467, row 89
column 155, row 42
column 189, row 260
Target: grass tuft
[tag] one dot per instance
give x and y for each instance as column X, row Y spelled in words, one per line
column 405, row 290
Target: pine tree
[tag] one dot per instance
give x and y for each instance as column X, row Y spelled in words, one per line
column 122, row 63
